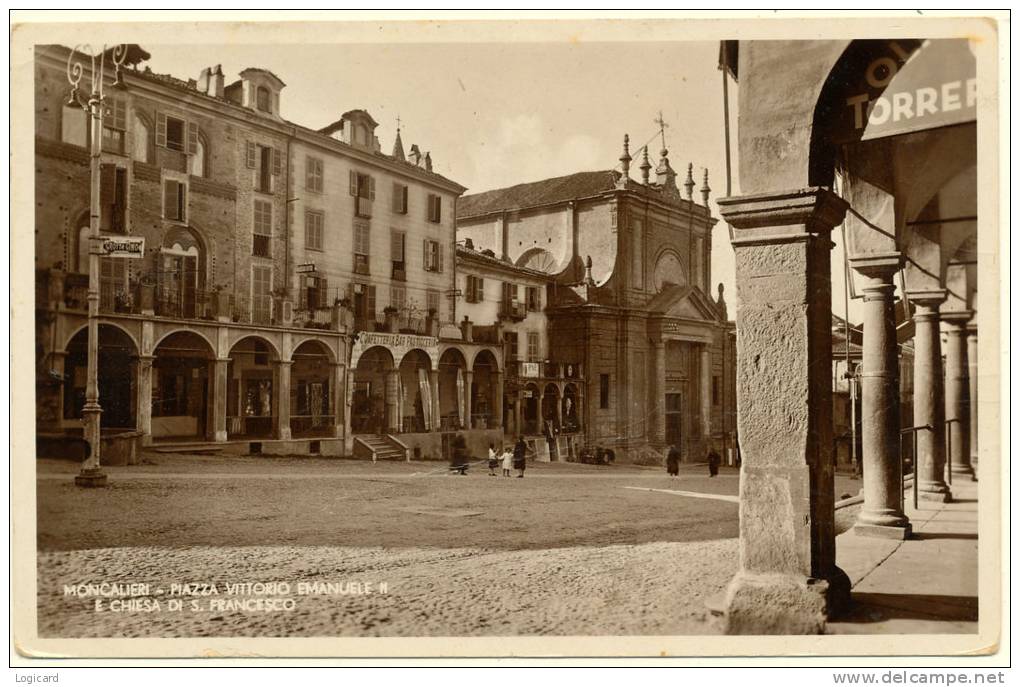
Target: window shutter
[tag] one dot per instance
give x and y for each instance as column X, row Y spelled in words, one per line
column 479, row 289
column 428, row 210
column 323, row 294
column 120, row 188
column 277, row 162
column 425, row 254
column 371, row 302
column 161, row 129
column 182, row 203
column 192, row 138
column 251, row 154
column 396, row 197
column 303, row 292
column 169, row 199
column 371, row 188
column 440, row 251
column 439, row 209
column 107, row 185
column 119, row 112
column 354, row 183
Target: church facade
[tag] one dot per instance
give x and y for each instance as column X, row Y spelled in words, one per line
column 629, row 267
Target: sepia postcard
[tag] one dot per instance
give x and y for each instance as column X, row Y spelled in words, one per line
column 474, row 335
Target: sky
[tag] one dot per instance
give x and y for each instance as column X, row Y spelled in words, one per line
column 498, row 114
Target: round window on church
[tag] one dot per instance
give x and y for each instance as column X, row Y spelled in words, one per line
column 669, row 271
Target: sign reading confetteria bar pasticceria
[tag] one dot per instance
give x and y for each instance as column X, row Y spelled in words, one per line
column 907, row 89
column 397, row 344
column 119, row 246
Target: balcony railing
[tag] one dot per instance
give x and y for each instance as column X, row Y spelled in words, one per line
column 513, row 310
column 543, row 369
column 190, row 304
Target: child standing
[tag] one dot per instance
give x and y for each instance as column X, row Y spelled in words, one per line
column 493, row 460
column 508, row 461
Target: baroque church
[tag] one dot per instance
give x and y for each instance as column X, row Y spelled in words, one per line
column 629, row 281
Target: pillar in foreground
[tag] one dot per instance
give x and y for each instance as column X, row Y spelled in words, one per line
column 283, row 400
column 929, row 404
column 788, row 582
column 143, row 408
column 972, row 379
column 958, row 394
column 882, row 513
column 220, row 368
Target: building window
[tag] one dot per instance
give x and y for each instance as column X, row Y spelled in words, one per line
column 262, row 99
column 432, row 302
column 398, row 245
column 361, row 242
column 363, row 298
column 534, row 298
column 267, row 162
column 716, row 388
column 313, row 174
column 313, row 293
column 475, row 289
column 398, row 297
column 399, row 198
column 262, row 229
column 140, row 136
column 175, row 200
column 174, row 133
column 114, row 126
column 314, row 222
column 261, row 294
column 433, row 252
column 435, row 209
column 510, row 345
column 74, row 126
column 362, row 187
column 265, row 177
column 603, row 391
column 113, row 198
column 533, row 352
column 175, row 129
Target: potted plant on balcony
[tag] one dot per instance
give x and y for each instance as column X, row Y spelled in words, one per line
column 390, row 313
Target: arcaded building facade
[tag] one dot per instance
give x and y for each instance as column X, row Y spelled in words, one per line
column 628, row 304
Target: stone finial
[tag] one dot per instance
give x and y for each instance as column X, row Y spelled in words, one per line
column 705, row 190
column 588, row 280
column 689, row 183
column 415, row 155
column 645, row 165
column 721, row 302
column 398, row 147
column 428, row 161
column 625, row 159
column 665, row 175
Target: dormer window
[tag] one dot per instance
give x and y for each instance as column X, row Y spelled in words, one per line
column 263, row 99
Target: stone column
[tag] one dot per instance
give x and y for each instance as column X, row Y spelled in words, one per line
column 559, row 411
column 706, row 394
column 496, row 395
column 434, row 393
column 881, row 514
column 220, row 399
column 143, row 404
column 929, row 408
column 283, row 399
column 972, row 364
column 341, row 418
column 657, row 433
column 788, row 582
column 466, row 420
column 392, row 422
column 519, row 414
column 958, row 393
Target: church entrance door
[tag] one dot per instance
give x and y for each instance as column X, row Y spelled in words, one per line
column 674, row 421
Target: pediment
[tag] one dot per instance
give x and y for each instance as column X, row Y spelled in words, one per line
column 684, row 302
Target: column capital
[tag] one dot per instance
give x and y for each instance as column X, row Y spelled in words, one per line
column 958, row 318
column 878, row 265
column 282, row 362
column 929, row 298
column 817, row 209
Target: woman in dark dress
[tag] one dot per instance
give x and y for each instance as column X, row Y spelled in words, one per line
column 673, row 462
column 520, row 456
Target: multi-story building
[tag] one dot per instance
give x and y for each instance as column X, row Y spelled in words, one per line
column 296, row 291
column 629, row 267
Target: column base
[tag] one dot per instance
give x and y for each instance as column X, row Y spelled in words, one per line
column 89, row 479
column 934, row 496
column 898, row 532
column 963, row 470
column 781, row 604
column 220, row 436
column 285, row 433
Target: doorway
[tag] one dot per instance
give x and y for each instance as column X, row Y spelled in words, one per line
column 674, row 421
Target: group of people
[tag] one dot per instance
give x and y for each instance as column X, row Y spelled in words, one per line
column 510, row 459
column 673, row 462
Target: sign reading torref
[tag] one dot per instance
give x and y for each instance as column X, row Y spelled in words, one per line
column 119, row 246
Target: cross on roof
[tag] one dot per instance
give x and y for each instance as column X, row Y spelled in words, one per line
column 662, row 128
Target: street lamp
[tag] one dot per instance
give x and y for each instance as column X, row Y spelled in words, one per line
column 91, row 474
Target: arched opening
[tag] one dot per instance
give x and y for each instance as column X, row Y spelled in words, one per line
column 372, row 411
column 180, row 276
column 530, row 411
column 550, row 410
column 252, row 383
column 180, row 386
column 484, row 388
column 538, row 259
column 570, row 413
column 414, row 393
column 311, row 406
column 452, row 395
column 117, row 376
column 262, row 99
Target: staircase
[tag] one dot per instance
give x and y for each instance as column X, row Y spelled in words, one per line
column 377, row 447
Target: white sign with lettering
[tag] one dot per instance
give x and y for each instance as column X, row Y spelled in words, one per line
column 119, row 246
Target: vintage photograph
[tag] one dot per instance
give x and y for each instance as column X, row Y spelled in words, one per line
column 509, row 329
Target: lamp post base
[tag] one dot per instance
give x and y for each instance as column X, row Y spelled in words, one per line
column 90, row 478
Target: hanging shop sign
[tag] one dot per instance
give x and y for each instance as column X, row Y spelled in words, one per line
column 529, row 369
column 119, row 246
column 905, row 88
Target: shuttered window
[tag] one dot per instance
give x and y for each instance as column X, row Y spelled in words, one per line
column 432, row 302
column 475, row 289
column 313, row 174
column 314, row 223
column 262, row 229
column 175, row 133
column 398, row 297
column 114, row 125
column 174, row 200
column 435, row 208
column 399, row 199
column 361, row 246
column 433, row 256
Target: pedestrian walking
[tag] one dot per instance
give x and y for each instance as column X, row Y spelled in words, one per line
column 493, row 460
column 520, row 456
column 673, row 462
column 713, row 462
column 508, row 461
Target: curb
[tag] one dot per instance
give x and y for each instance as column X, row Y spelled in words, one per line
column 854, row 500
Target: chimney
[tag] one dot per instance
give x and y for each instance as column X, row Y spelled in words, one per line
column 428, row 162
column 203, row 80
column 217, row 82
column 625, row 159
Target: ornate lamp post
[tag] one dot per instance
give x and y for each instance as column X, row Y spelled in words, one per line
column 91, row 474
